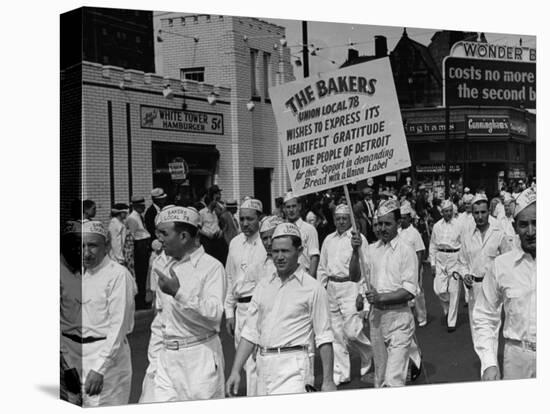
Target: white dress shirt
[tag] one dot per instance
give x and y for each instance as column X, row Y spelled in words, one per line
column 445, row 235
column 244, row 254
column 117, row 231
column 100, row 303
column 310, row 242
column 209, row 222
column 196, row 309
column 136, row 226
column 412, row 236
column 510, row 282
column 336, row 255
column 288, row 314
column 392, row 266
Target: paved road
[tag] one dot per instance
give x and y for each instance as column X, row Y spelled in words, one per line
column 447, row 357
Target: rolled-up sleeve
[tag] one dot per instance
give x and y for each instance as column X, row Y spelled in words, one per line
column 321, row 317
column 250, row 329
column 409, row 270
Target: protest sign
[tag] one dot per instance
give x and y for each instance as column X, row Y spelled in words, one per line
column 340, row 127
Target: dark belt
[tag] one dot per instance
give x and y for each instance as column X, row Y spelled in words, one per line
column 245, row 299
column 87, row 340
column 477, row 278
column 448, row 250
column 265, row 350
column 339, row 279
column 392, row 306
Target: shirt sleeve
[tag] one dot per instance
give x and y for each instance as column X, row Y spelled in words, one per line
column 230, row 271
column 418, row 242
column 206, row 306
column 313, row 242
column 433, row 244
column 323, row 263
column 320, row 316
column 486, row 320
column 120, row 305
column 132, row 225
column 409, row 270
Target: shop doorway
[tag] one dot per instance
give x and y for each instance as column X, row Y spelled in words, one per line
column 201, row 160
column 262, row 187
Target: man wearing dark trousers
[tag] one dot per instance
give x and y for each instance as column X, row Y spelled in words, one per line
column 158, row 198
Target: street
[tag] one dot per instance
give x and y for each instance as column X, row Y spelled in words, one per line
column 447, row 357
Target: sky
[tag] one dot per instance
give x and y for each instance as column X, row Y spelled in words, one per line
column 333, row 39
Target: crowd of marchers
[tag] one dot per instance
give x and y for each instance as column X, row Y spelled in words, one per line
column 318, row 276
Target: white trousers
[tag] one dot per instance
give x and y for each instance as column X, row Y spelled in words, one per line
column 445, row 286
column 391, row 334
column 155, row 346
column 117, row 380
column 250, row 364
column 284, row 373
column 347, row 326
column 192, row 373
column 519, row 363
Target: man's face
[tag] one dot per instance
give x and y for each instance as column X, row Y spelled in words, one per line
column 140, row 208
column 285, row 255
column 388, row 227
column 292, row 210
column 173, row 242
column 367, row 194
column 266, row 240
column 468, row 206
column 406, row 220
column 509, row 208
column 342, row 222
column 250, row 221
column 123, row 216
column 217, row 196
column 161, row 202
column 526, row 228
column 91, row 212
column 447, row 213
column 480, row 211
column 94, row 250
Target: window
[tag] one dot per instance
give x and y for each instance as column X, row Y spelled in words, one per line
column 267, row 74
column 196, row 74
column 253, row 82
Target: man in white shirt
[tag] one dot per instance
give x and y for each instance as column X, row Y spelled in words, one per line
column 310, row 240
column 97, row 312
column 511, row 284
column 465, row 219
column 444, row 248
column 393, row 281
column 245, row 252
column 190, row 293
column 480, row 246
column 142, row 248
column 117, row 232
column 506, row 222
column 288, row 308
column 339, row 258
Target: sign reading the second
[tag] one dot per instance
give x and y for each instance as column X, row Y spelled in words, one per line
column 170, row 119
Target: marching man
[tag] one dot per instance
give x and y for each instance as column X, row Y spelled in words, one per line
column 190, row 293
column 288, row 307
column 511, row 284
column 444, row 248
column 245, row 252
column 97, row 312
column 393, row 281
column 339, row 258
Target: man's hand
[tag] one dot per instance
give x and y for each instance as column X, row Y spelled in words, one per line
column 232, row 384
column 490, row 374
column 230, row 326
column 168, row 284
column 355, row 240
column 373, row 297
column 328, row 385
column 94, row 383
column 468, row 280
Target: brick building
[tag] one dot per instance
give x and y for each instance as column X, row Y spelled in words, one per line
column 132, row 125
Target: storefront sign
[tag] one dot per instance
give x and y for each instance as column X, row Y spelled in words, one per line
column 483, row 82
column 426, row 128
column 170, row 119
column 519, row 128
column 178, row 169
column 436, row 168
column 340, row 127
column 480, row 50
column 487, row 125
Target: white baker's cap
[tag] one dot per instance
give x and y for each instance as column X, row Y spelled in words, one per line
column 253, row 204
column 508, row 197
column 342, row 209
column 479, row 197
column 178, row 214
column 269, row 223
column 286, row 229
column 467, row 198
column 94, row 227
column 446, row 204
column 406, row 208
column 158, row 193
column 526, row 198
column 387, row 206
column 289, row 196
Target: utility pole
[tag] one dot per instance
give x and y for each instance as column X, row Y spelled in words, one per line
column 305, row 50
